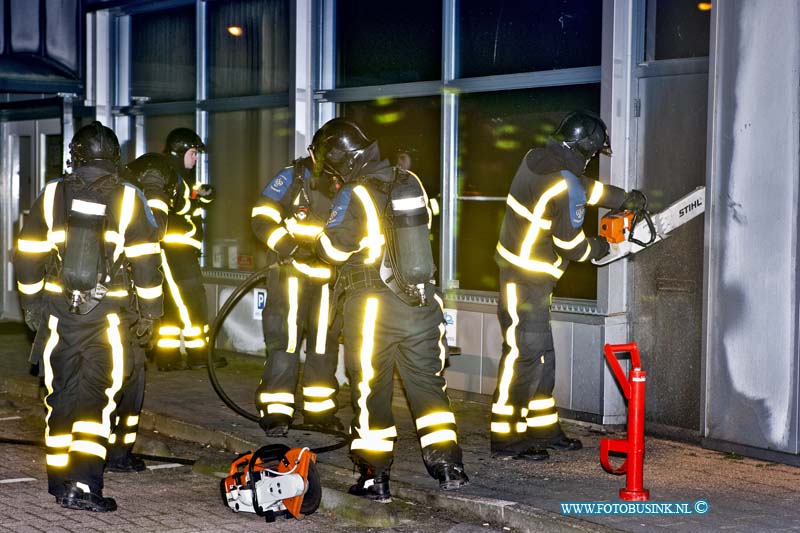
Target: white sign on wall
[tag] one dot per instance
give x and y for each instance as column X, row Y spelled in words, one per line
column 259, row 301
column 451, row 324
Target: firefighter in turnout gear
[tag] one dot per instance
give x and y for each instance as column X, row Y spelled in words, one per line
column 290, row 213
column 542, row 232
column 185, row 310
column 155, row 175
column 71, row 269
column 399, row 325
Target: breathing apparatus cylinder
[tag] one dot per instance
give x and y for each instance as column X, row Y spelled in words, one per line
column 408, row 264
column 84, row 258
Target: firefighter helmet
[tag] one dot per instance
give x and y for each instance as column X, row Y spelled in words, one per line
column 340, row 148
column 93, row 142
column 181, row 140
column 585, row 133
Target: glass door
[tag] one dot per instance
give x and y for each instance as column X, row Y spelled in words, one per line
column 33, row 153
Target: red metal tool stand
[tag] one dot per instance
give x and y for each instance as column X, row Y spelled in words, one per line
column 633, row 446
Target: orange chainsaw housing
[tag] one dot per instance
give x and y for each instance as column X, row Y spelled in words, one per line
column 615, row 227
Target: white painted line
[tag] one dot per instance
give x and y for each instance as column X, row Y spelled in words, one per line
column 165, row 465
column 4, row 419
column 18, row 480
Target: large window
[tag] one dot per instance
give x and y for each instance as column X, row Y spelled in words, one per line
column 163, row 55
column 157, row 127
column 677, row 29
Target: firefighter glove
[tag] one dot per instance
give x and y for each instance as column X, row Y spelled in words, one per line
column 206, row 193
column 33, row 317
column 635, row 201
column 145, row 331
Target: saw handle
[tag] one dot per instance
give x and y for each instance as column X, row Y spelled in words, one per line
column 638, row 216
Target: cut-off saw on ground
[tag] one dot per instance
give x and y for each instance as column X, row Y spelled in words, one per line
column 628, row 232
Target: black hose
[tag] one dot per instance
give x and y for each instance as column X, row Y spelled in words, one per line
column 254, row 280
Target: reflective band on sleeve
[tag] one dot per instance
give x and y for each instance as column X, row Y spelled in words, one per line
column 88, row 208
column 175, row 238
column 408, row 204
column 312, row 272
column 148, row 293
column 443, row 435
column 276, row 235
column 331, row 251
column 587, row 253
column 138, row 250
column 34, row 247
column 373, row 241
column 569, row 245
column 303, row 230
column 266, row 211
column 280, row 397
column 443, row 417
column 597, row 192
column 126, row 215
column 52, row 287
column 158, row 205
column 318, row 407
column 30, row 288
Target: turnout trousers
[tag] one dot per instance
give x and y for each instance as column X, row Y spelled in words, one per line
column 185, row 307
column 523, row 408
column 382, row 333
column 84, row 360
column 297, row 309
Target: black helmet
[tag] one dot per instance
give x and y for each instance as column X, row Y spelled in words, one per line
column 340, row 148
column 181, row 140
column 585, row 133
column 93, row 142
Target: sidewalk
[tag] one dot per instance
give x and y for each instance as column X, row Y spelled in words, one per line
column 742, row 494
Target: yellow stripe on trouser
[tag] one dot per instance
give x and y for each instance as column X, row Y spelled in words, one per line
column 369, row 440
column 291, row 318
column 501, row 406
column 542, row 413
column 322, row 320
column 183, row 311
column 54, row 441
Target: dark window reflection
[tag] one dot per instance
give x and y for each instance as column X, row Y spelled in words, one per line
column 681, row 29
column 246, row 149
column 495, row 132
column 157, row 127
column 409, row 132
column 163, row 57
column 388, row 42
column 509, row 36
column 53, row 157
column 248, row 47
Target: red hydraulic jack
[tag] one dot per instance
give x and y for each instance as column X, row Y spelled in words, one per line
column 633, row 446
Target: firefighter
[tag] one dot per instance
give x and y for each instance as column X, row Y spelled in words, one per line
column 185, row 312
column 70, row 263
column 155, row 175
column 542, row 231
column 385, row 326
column 290, row 213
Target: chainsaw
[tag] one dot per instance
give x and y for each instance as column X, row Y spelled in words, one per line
column 273, row 481
column 629, row 232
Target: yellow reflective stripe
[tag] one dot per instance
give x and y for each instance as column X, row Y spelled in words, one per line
column 318, row 392
column 538, row 405
column 291, row 317
column 331, row 251
column 129, row 438
column 183, row 311
column 312, row 272
column 587, row 253
column 148, row 293
column 530, row 264
column 318, row 407
column 169, row 330
column 498, row 409
column 276, row 235
column 49, row 202
column 523, row 211
column 88, row 447
column 305, row 230
column 373, row 445
column 187, row 204
column 266, row 211
column 57, row 236
column 280, row 397
column 322, row 321
column 385, row 433
column 442, row 353
column 57, row 459
column 537, row 214
column 367, row 372
column 50, row 345
column 117, row 370
column 374, row 239
column 52, row 287
column 168, row 343
column 500, row 427
column 443, row 417
column 138, row 250
column 443, row 435
column 158, row 205
column 126, row 215
column 177, row 238
column 434, row 206
column 507, row 372
column 279, row 408
column 191, row 332
column 428, row 208
column 132, row 420
column 521, row 427
column 91, row 428
column 34, row 247
column 194, row 343
column 113, row 237
column 541, row 421
column 199, row 212
column 597, row 192
column 30, row 288
column 58, row 441
column 112, row 439
column 569, row 245
column 117, row 293
column 205, row 200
